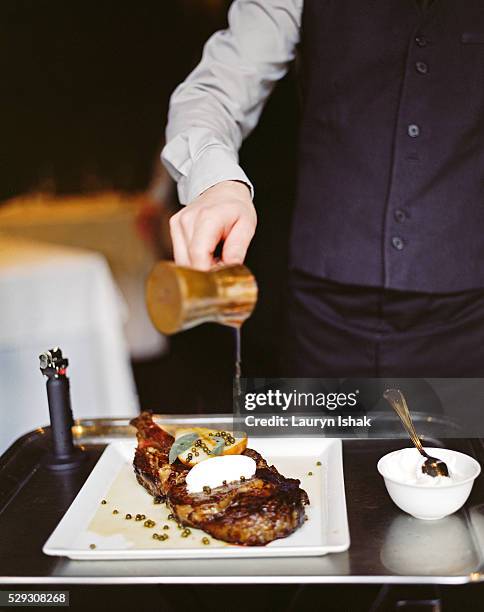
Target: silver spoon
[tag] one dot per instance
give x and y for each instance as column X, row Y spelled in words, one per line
column 432, row 466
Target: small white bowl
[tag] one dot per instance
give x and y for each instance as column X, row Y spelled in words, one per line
column 426, row 500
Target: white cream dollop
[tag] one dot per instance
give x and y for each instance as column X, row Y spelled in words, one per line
column 406, row 467
column 213, row 472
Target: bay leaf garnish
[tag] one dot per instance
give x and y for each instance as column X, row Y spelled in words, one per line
column 219, row 447
column 180, row 445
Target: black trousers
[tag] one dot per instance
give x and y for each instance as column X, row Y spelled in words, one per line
column 336, row 331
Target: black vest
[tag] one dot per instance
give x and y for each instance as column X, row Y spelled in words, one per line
column 391, row 174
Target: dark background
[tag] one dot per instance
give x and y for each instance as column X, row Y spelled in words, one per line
column 85, row 90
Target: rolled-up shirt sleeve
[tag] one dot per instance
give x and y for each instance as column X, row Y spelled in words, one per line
column 220, row 102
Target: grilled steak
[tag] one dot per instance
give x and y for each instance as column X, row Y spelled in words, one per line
column 255, row 512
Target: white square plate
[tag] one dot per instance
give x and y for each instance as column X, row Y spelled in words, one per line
column 90, row 529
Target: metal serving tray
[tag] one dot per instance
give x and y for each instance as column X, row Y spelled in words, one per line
column 387, row 546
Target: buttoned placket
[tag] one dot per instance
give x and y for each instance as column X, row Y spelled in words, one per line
column 398, row 217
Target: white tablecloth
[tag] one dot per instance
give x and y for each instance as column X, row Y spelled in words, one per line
column 58, row 296
column 104, row 223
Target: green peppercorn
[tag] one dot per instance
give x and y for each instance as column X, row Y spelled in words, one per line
column 115, row 511
column 171, row 517
column 166, row 526
column 92, row 546
column 207, row 490
column 205, row 541
column 185, row 533
column 242, row 479
column 128, row 517
column 104, row 502
column 310, row 473
column 149, row 523
column 318, row 463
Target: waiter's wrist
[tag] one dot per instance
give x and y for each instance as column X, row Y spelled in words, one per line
column 246, row 185
column 236, row 188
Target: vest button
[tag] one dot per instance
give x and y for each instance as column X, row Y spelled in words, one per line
column 397, row 243
column 421, row 41
column 413, row 130
column 399, row 215
column 422, row 67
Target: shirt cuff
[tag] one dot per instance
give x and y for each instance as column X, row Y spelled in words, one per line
column 214, row 165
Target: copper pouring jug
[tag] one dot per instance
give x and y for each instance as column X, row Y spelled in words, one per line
column 179, row 298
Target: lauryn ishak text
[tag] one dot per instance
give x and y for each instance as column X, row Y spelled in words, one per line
column 307, row 421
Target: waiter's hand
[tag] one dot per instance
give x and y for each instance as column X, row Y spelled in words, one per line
column 224, row 212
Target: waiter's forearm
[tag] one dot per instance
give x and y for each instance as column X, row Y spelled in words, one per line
column 221, row 100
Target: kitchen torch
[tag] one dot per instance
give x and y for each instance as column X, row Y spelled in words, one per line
column 64, row 454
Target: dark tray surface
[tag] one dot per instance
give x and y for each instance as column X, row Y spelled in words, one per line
column 386, row 544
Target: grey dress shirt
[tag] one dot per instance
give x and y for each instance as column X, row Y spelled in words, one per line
column 220, row 102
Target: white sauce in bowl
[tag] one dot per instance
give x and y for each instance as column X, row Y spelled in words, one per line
column 406, row 467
